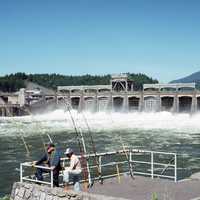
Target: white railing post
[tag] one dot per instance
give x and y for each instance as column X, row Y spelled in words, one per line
column 152, row 160
column 21, row 172
column 175, row 168
column 100, row 170
column 130, row 156
column 51, row 178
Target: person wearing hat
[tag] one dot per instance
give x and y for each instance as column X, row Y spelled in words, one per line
column 73, row 171
column 51, row 158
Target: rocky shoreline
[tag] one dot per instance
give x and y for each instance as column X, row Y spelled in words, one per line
column 27, row 191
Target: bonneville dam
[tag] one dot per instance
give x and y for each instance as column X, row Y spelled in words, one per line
column 118, row 96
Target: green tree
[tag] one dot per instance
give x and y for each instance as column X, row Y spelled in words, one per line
column 13, row 82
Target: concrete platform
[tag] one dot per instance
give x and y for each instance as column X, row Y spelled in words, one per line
column 142, row 188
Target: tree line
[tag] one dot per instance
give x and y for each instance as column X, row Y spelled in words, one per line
column 13, row 82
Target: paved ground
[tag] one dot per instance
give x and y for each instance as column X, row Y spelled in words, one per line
column 142, row 188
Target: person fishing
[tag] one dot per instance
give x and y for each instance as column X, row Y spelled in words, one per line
column 51, row 159
column 73, row 171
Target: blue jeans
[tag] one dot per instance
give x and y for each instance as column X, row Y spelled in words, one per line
column 75, row 176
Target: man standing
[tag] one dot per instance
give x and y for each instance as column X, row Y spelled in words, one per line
column 73, row 171
column 50, row 159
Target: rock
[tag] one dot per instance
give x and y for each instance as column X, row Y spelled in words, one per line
column 55, row 198
column 77, row 198
column 72, row 194
column 27, row 186
column 61, row 194
column 55, row 191
column 21, row 192
column 49, row 197
column 12, row 196
column 16, row 191
column 42, row 196
column 28, row 193
column 17, row 198
column 25, row 191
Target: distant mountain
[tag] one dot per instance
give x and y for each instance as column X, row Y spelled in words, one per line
column 195, row 77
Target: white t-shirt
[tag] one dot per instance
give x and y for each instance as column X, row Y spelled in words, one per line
column 75, row 163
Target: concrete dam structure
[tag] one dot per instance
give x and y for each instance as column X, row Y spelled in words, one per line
column 120, row 96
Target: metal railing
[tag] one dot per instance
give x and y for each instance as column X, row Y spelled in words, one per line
column 30, row 177
column 104, row 163
column 152, row 164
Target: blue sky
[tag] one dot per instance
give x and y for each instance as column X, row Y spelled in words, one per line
column 158, row 37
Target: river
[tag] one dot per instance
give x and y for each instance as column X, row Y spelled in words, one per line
column 162, row 131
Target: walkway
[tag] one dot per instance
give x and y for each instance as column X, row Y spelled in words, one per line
column 142, row 188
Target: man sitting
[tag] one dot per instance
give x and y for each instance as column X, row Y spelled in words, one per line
column 73, row 171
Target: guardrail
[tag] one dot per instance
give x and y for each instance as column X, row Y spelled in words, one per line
column 149, row 159
column 30, row 178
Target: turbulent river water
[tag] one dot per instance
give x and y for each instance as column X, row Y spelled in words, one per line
column 179, row 133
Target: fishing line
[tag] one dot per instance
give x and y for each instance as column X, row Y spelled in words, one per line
column 39, row 125
column 37, row 122
column 21, row 133
column 82, row 147
column 130, row 165
column 94, row 149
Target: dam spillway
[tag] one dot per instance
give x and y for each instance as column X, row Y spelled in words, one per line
column 182, row 97
column 147, row 102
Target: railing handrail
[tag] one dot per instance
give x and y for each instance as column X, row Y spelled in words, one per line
column 112, row 163
column 29, row 164
column 121, row 152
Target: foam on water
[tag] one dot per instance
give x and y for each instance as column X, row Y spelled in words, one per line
column 59, row 120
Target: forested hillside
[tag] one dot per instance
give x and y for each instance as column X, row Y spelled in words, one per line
column 13, row 82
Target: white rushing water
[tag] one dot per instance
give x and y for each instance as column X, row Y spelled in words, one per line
column 59, row 120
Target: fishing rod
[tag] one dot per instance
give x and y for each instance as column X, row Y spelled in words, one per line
column 41, row 137
column 21, row 135
column 167, row 166
column 49, row 138
column 118, row 173
column 87, row 163
column 130, row 165
column 94, row 149
column 127, row 158
column 82, row 150
column 25, row 144
column 22, row 138
column 86, row 171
